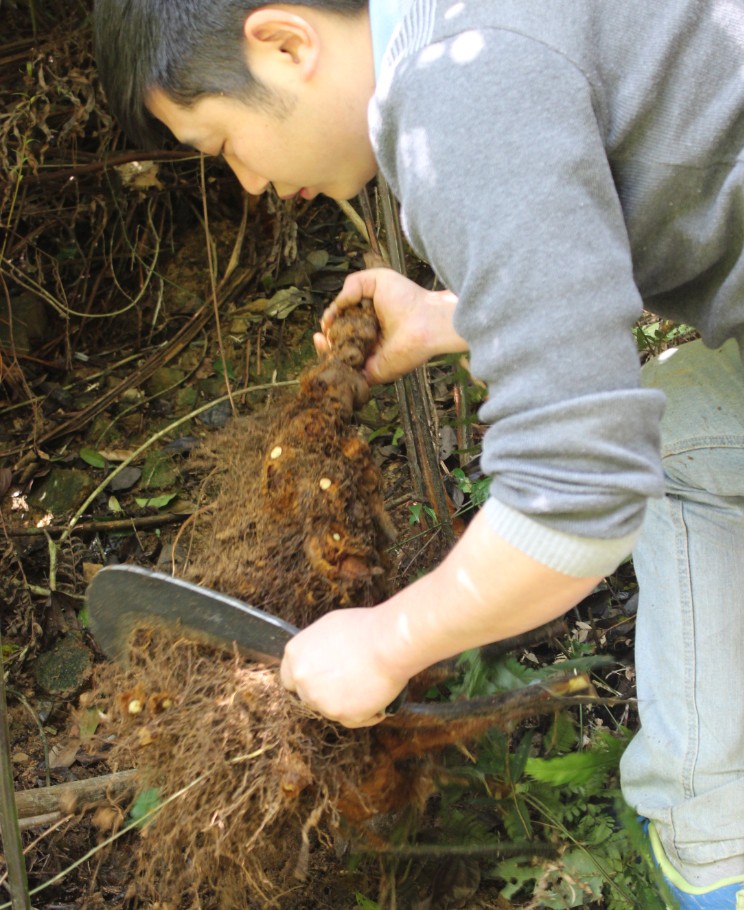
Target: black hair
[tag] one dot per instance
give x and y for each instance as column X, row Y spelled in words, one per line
column 185, row 48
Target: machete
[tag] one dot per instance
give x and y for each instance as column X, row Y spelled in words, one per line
column 120, row 598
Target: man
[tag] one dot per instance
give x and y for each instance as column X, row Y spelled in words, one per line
column 560, row 164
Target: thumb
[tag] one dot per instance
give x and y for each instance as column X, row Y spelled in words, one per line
column 286, row 676
column 321, row 343
column 378, row 369
column 371, row 370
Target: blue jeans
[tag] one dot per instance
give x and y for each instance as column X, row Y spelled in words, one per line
column 685, row 768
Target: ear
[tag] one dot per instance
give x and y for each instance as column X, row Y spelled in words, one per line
column 281, row 43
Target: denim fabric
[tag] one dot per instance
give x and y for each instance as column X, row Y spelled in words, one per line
column 685, row 768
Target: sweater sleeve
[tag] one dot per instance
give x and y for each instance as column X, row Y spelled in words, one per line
column 492, row 143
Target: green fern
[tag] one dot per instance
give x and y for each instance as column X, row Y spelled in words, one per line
column 546, row 786
column 580, row 768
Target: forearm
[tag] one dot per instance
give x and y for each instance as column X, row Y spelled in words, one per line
column 484, row 591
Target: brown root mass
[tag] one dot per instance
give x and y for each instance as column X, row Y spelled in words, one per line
column 247, row 777
column 247, row 773
column 298, row 525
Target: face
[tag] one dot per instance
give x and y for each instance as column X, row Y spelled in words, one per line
column 316, row 146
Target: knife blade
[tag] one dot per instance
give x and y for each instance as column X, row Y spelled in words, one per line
column 120, row 598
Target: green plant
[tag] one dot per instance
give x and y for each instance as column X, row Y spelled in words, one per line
column 148, row 801
column 552, row 789
column 653, row 337
column 417, row 511
column 224, row 368
column 476, row 490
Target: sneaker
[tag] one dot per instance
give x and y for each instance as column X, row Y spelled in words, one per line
column 728, row 894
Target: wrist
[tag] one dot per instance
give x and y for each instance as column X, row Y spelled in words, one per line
column 436, row 332
column 405, row 629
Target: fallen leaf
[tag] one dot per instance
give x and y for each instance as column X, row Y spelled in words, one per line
column 93, row 458
column 88, row 723
column 285, row 301
column 90, row 570
column 115, row 455
column 138, row 175
column 62, row 755
column 155, row 502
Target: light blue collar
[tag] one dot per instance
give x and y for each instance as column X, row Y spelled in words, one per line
column 384, row 16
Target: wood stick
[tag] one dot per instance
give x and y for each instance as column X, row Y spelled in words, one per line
column 39, row 821
column 9, row 830
column 66, row 797
column 104, row 525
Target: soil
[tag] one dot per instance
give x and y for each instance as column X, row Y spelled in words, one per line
column 162, row 404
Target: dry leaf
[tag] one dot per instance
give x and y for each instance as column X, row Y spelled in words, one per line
column 63, row 754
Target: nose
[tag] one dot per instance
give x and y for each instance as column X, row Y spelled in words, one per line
column 250, row 182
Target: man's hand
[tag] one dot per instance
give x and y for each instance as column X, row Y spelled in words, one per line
column 415, row 324
column 337, row 667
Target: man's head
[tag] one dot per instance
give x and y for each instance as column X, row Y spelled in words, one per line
column 281, row 91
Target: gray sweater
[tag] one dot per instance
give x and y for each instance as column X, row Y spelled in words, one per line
column 561, row 164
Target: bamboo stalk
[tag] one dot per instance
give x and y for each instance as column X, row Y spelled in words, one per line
column 11, row 835
column 414, row 396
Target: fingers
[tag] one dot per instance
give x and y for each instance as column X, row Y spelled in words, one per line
column 357, row 286
column 320, row 341
column 373, row 370
column 351, row 720
column 371, row 722
column 336, row 692
column 397, row 301
column 328, row 317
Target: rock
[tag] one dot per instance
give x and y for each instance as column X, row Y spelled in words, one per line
column 216, row 416
column 62, row 491
column 185, row 400
column 182, row 445
column 65, row 667
column 164, row 380
column 125, row 479
column 29, row 323
column 158, row 471
column 171, row 557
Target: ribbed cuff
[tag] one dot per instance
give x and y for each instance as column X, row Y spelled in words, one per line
column 570, row 554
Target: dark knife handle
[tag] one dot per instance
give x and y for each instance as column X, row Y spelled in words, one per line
column 397, row 703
